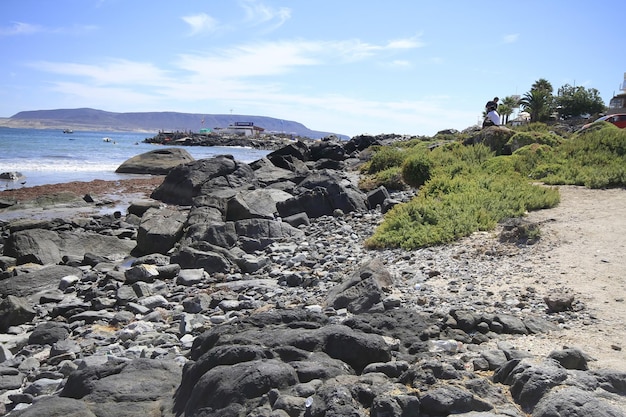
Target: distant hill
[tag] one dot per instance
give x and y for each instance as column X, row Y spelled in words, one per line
column 92, row 119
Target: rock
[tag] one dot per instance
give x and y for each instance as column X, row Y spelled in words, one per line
column 322, row 193
column 558, row 300
column 268, row 174
column 15, row 311
column 574, row 402
column 570, row 358
column 49, row 247
column 48, row 333
column 45, row 278
column 11, row 176
column 377, row 197
column 446, row 400
column 255, row 204
column 159, row 230
column 190, row 258
column 187, row 181
column 363, row 290
column 224, row 386
column 157, row 162
column 530, row 381
column 139, row 207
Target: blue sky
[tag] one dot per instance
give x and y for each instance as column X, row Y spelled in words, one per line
column 350, row 67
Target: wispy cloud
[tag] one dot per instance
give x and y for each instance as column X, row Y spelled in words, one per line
column 258, row 13
column 201, row 23
column 20, row 28
column 511, row 38
column 111, row 72
column 406, row 43
column 250, row 76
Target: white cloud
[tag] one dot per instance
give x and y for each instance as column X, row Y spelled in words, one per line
column 407, row 43
column 113, row 72
column 258, row 13
column 20, row 28
column 398, row 63
column 201, row 23
column 512, row 38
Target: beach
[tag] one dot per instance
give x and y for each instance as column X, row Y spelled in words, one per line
column 173, row 288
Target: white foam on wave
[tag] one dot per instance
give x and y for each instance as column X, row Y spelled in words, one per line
column 56, row 166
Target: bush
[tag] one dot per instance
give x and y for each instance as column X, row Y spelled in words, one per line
column 522, row 139
column 449, row 208
column 595, row 158
column 391, row 178
column 416, row 169
column 532, row 127
column 386, row 157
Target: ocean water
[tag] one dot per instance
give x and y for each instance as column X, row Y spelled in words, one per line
column 50, row 156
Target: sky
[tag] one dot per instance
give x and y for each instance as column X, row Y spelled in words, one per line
column 345, row 66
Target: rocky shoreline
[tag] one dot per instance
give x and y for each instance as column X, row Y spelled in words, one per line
column 245, row 290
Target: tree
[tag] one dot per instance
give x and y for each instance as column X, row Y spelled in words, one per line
column 539, row 101
column 537, row 104
column 509, row 103
column 543, row 85
column 577, row 101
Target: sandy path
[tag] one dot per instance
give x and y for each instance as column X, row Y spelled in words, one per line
column 584, row 239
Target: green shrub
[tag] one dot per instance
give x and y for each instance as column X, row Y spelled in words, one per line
column 416, row 169
column 595, row 158
column 386, row 157
column 522, row 139
column 447, row 209
column 532, row 127
column 527, row 158
column 391, row 178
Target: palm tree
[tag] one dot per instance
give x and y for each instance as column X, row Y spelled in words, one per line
column 537, row 103
column 505, row 109
column 543, row 85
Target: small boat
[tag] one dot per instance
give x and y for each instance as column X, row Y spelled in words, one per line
column 68, row 131
column 106, row 139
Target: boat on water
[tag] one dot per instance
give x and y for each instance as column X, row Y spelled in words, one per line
column 68, row 131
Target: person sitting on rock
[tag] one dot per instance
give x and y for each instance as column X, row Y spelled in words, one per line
column 493, row 118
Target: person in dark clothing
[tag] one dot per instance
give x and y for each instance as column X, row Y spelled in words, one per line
column 493, row 118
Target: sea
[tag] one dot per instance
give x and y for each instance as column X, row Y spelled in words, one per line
column 50, row 156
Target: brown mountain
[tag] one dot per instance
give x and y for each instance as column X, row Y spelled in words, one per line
column 92, row 119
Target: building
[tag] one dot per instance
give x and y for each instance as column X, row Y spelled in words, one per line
column 618, row 102
column 247, row 129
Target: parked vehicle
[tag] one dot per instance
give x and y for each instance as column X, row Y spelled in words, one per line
column 618, row 120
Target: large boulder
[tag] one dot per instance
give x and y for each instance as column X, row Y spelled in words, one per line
column 15, row 311
column 268, row 174
column 46, row 278
column 364, row 290
column 159, row 230
column 157, row 162
column 321, row 194
column 49, row 247
column 255, row 204
column 185, row 182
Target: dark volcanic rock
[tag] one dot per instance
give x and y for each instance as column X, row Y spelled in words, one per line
column 46, row 278
column 187, row 181
column 157, row 162
column 15, row 311
column 49, row 247
column 159, row 230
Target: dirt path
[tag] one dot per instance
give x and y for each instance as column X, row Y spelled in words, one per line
column 585, row 249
